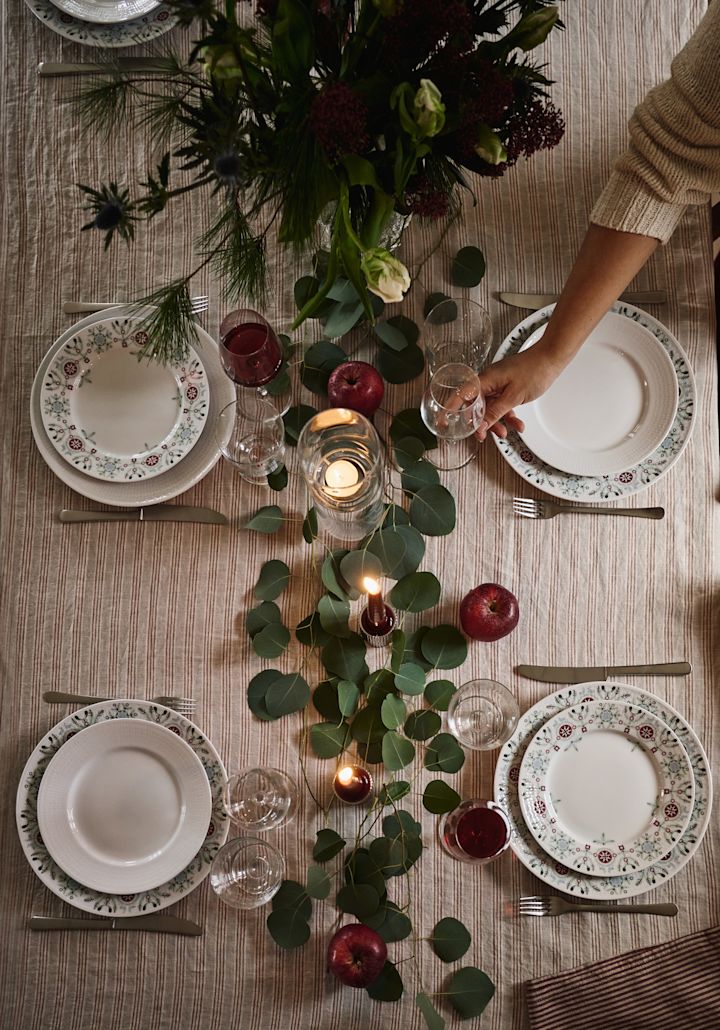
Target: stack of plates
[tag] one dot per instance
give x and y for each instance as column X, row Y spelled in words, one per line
column 617, row 418
column 120, row 808
column 120, row 429
column 607, row 789
column 105, row 23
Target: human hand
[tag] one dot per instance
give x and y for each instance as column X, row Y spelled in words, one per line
column 515, row 380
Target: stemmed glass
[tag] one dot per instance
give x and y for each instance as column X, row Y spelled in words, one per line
column 260, row 799
column 251, row 436
column 452, row 408
column 457, row 331
column 251, row 352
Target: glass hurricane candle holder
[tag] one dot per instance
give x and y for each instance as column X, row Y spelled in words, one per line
column 341, row 459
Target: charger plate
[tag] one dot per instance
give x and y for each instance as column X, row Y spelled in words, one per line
column 69, row 889
column 555, row 873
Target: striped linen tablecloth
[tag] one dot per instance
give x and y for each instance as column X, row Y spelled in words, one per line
column 142, row 610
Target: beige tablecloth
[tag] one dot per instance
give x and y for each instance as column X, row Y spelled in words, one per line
column 140, row 610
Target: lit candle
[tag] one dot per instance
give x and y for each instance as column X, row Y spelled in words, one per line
column 375, row 605
column 378, row 619
column 352, row 784
column 342, row 479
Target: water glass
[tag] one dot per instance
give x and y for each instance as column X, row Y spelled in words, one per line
column 251, row 436
column 247, row 872
column 457, row 332
column 482, row 714
column 476, row 831
column 260, row 799
column 452, row 406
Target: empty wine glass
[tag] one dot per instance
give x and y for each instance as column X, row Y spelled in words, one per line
column 251, row 436
column 247, row 872
column 452, row 406
column 251, row 353
column 482, row 714
column 457, row 331
column 260, row 799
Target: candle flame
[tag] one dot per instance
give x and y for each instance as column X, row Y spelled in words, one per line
column 345, row 775
column 371, row 586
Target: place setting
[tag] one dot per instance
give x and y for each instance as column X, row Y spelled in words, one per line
column 106, row 23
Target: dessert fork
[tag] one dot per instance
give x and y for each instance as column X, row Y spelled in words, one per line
column 183, row 705
column 198, row 304
column 552, row 906
column 533, row 509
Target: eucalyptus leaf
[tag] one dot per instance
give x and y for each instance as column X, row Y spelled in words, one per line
column 416, row 592
column 444, row 647
column 393, row 712
column 272, row 641
column 450, row 939
column 327, row 845
column 378, row 685
column 397, row 650
column 397, row 751
column 318, row 883
column 287, row 694
column 334, row 615
column 342, row 290
column 305, row 287
column 309, row 631
column 409, row 423
column 400, row 550
column 348, row 696
column 278, row 479
column 401, row 823
column 398, row 332
column 280, row 384
column 329, row 740
column 360, row 868
column 444, row 754
column 367, row 726
column 294, row 419
column 408, row 450
column 266, row 614
column 422, row 725
column 370, row 754
column 326, row 702
column 342, row 318
column 395, row 926
column 432, row 511
column 267, row 519
column 288, row 928
column 359, row 899
column 292, row 895
column 448, row 313
column 274, row 577
column 318, row 362
column 438, row 694
column 330, row 574
column 468, row 268
column 433, row 1019
column 256, row 691
column 395, row 516
column 392, row 792
column 439, row 797
column 345, row 657
column 388, row 986
column 417, row 475
column 469, row 991
column 400, row 367
column 310, row 526
column 356, row 565
column 413, row 649
column 410, row 679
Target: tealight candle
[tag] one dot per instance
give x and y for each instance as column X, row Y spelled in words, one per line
column 352, row 784
column 342, row 479
column 378, row 619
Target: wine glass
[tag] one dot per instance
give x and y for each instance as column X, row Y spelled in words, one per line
column 476, row 831
column 452, row 408
column 482, row 714
column 247, row 872
column 260, row 799
column 457, row 331
column 251, row 352
column 251, row 436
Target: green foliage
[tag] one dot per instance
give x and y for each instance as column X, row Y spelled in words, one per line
column 409, row 423
column 468, row 267
column 433, row 1019
column 278, row 480
column 266, row 614
column 256, row 691
column 274, row 577
column 408, row 450
column 393, row 712
column 329, row 740
column 438, row 694
column 271, row 641
column 400, row 367
column 450, row 939
column 439, row 797
column 345, row 657
column 267, row 519
column 419, row 474
column 328, row 844
column 416, row 592
column 433, row 300
column 444, row 647
column 334, row 614
column 310, row 526
column 294, row 419
column 400, row 550
column 422, row 724
column 397, row 751
column 398, row 332
column 388, row 986
column 287, row 694
column 318, row 883
column 444, row 754
column 432, row 511
column 469, row 991
column 318, row 362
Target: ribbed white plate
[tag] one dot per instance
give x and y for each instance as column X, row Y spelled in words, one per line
column 112, row 12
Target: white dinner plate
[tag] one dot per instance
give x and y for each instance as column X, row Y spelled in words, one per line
column 67, row 887
column 140, row 29
column 555, row 873
column 606, row 787
column 610, row 408
column 106, row 11
column 597, row 489
column 118, row 416
column 124, row 806
column 169, row 484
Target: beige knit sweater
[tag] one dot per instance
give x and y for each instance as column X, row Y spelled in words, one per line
column 674, row 154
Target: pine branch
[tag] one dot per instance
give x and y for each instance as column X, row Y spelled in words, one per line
column 170, row 323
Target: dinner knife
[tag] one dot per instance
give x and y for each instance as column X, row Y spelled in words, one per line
column 158, row 923
column 534, row 301
column 127, row 65
column 155, row 513
column 580, row 674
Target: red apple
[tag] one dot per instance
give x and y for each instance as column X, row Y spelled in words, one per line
column 489, row 612
column 356, row 955
column 356, row 385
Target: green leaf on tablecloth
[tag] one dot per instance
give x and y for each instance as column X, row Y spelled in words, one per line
column 294, row 419
column 266, row 614
column 410, row 679
column 397, row 649
column 416, row 592
column 356, row 565
column 267, row 519
column 444, row 754
column 318, row 362
column 342, row 290
column 448, row 313
column 272, row 641
column 390, row 922
column 280, row 384
column 367, row 726
column 450, row 939
column 400, row 824
column 432, row 511
column 330, row 574
column 393, row 712
column 278, row 479
column 345, row 657
column 292, row 895
column 341, row 318
column 388, row 986
column 360, row 868
column 334, row 615
column 310, row 632
column 422, row 725
column 418, row 475
column 408, row 450
column 400, row 550
column 287, row 694
column 318, row 883
column 378, row 685
column 348, row 696
column 304, row 289
column 433, row 1019
column 274, row 577
column 396, row 855
column 256, row 691
column 400, row 367
column 409, row 423
column 469, row 991
column 397, row 751
column 327, row 845
column 468, row 268
column 370, row 754
column 310, row 526
column 395, row 516
column 398, row 332
column 439, row 797
column 444, row 647
column 413, row 648
column 325, row 700
column 329, row 740
column 358, row 899
column 288, row 928
column 392, row 792
column 438, row 694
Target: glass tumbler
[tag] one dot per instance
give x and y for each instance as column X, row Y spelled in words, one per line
column 247, row 872
column 452, row 406
column 457, row 331
column 482, row 714
column 260, row 799
column 476, row 831
column 251, row 437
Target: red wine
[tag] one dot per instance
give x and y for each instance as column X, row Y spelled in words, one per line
column 482, row 832
column 251, row 354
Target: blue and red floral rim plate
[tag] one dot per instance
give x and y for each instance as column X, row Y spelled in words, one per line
column 118, row 34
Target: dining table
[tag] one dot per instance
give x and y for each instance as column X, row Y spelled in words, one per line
column 137, row 610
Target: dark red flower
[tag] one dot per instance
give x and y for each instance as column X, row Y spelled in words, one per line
column 539, row 126
column 491, row 93
column 422, row 28
column 425, row 199
column 338, row 117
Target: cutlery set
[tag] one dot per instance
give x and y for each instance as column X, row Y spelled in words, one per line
column 550, row 905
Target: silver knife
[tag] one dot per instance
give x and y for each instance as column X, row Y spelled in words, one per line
column 159, row 923
column 127, row 65
column 155, row 513
column 575, row 674
column 535, row 301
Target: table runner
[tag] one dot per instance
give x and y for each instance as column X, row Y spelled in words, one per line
column 155, row 609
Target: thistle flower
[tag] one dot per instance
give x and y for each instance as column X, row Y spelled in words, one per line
column 338, row 117
column 112, row 210
column 230, row 169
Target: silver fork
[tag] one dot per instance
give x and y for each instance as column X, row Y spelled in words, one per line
column 182, row 705
column 199, row 305
column 532, row 509
column 552, row 906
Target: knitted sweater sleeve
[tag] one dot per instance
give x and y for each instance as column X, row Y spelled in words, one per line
column 674, row 155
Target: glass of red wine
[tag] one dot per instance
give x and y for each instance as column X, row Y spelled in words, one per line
column 250, row 350
column 476, row 831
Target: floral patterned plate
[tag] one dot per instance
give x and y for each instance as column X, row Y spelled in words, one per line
column 606, row 787
column 558, row 875
column 591, row 489
column 115, row 415
column 117, row 34
column 65, row 886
